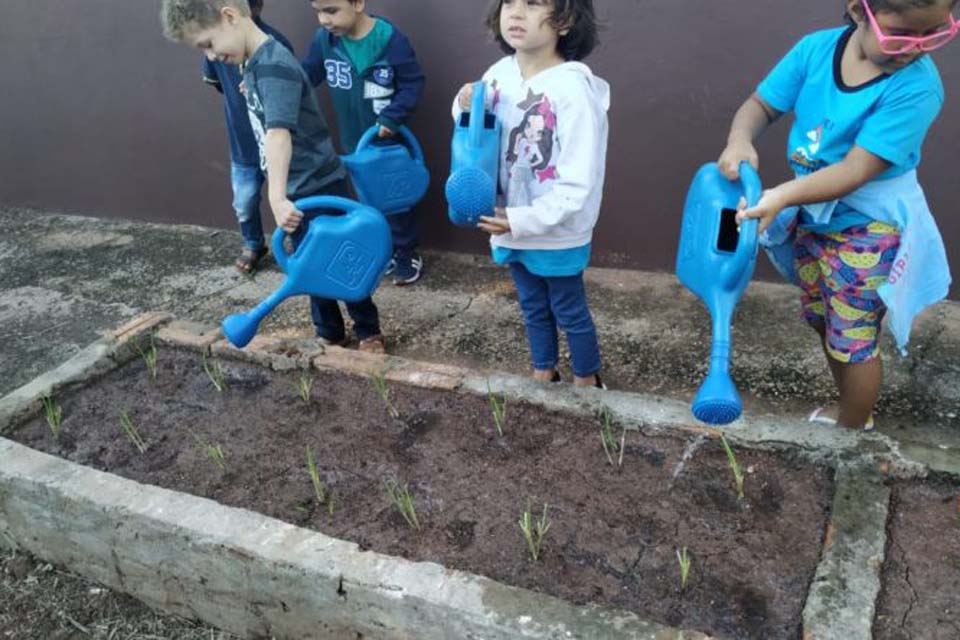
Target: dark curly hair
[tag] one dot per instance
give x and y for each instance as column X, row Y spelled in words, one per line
column 575, row 16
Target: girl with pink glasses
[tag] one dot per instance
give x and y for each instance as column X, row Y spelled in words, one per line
column 853, row 228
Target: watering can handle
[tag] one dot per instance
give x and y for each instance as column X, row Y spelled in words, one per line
column 306, row 205
column 747, row 247
column 404, row 132
column 479, row 106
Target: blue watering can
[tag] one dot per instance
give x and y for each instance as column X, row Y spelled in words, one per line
column 716, row 261
column 472, row 185
column 391, row 178
column 341, row 257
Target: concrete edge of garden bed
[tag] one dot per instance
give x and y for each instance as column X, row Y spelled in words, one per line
column 95, row 360
column 843, row 596
column 259, row 577
column 37, row 501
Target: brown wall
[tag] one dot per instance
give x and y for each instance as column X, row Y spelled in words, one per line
column 101, row 116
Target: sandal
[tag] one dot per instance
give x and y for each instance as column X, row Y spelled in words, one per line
column 249, row 259
column 373, row 344
column 818, row 418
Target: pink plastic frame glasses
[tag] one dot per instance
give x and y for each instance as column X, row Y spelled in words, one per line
column 896, row 45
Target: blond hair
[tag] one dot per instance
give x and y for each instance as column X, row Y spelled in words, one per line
column 179, row 16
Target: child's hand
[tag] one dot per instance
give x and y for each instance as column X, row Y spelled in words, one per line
column 733, row 155
column 385, row 132
column 771, row 203
column 495, row 226
column 465, row 97
column 288, row 217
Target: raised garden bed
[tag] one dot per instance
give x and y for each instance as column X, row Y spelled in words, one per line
column 921, row 575
column 614, row 532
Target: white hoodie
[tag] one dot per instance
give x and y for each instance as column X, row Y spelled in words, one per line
column 553, row 152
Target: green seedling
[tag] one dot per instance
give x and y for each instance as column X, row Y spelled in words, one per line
column 304, row 387
column 214, row 452
column 534, row 532
column 403, row 501
column 498, row 407
column 734, row 466
column 610, row 444
column 684, row 559
column 380, row 384
column 132, row 433
column 54, row 414
column 149, row 356
column 214, row 371
column 319, row 489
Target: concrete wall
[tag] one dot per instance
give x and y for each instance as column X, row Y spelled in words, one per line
column 101, row 116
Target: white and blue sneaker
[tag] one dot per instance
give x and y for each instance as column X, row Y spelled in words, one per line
column 407, row 269
column 391, row 267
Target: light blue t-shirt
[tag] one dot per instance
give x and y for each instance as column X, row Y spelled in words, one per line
column 547, row 263
column 888, row 116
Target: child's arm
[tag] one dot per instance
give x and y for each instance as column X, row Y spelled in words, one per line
column 752, row 119
column 409, row 80
column 278, row 148
column 830, row 183
column 210, row 76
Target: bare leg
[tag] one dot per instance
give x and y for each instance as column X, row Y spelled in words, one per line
column 859, row 386
column 544, row 375
column 859, row 389
column 589, row 381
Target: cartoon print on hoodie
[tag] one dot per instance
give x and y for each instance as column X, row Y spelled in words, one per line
column 530, row 148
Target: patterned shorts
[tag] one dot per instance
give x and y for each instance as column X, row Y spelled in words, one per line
column 840, row 274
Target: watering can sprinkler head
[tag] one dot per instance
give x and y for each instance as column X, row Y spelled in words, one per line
column 471, row 189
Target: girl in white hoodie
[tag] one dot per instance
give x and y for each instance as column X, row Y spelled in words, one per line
column 553, row 111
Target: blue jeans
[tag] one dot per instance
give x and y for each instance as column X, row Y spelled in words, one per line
column 405, row 233
column 551, row 303
column 247, row 180
column 326, row 314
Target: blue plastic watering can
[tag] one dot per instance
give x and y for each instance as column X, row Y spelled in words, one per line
column 341, row 257
column 391, row 178
column 472, row 186
column 716, row 261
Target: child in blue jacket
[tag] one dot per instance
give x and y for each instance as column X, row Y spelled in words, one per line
column 374, row 79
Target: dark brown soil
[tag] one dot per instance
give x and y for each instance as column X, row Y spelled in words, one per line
column 921, row 577
column 614, row 534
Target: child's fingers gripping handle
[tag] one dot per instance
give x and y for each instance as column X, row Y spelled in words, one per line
column 280, row 251
column 750, row 181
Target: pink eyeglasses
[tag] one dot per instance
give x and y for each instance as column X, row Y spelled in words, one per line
column 895, row 45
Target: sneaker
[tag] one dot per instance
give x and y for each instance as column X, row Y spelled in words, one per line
column 391, row 267
column 407, row 270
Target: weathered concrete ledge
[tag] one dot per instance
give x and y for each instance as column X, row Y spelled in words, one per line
column 842, row 599
column 258, row 577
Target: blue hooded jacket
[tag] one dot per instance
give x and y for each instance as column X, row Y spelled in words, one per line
column 386, row 93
